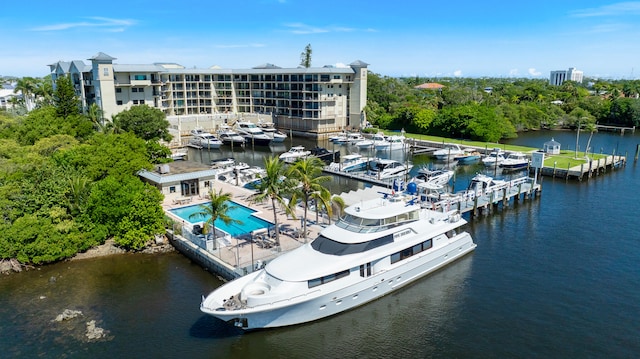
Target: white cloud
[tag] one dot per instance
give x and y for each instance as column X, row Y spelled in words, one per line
column 457, row 73
column 112, row 25
column 617, row 9
column 513, row 72
column 534, row 72
column 303, row 29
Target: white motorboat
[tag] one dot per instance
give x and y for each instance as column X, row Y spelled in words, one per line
column 179, row 154
column 515, row 161
column 350, row 163
column 230, row 137
column 203, row 139
column 436, row 176
column 370, row 143
column 349, row 139
column 253, row 134
column 386, row 168
column 380, row 245
column 294, row 153
column 391, row 143
column 494, row 158
column 482, row 185
column 276, row 135
column 448, row 152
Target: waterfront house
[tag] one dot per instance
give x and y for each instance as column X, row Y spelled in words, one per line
column 181, row 181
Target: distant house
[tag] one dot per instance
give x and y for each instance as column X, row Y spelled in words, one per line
column 552, row 147
column 5, row 97
column 430, row 86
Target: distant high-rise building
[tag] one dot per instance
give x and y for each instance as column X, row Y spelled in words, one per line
column 560, row 76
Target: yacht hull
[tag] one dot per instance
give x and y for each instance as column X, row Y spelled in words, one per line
column 336, row 297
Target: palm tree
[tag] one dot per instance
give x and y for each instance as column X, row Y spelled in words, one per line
column 324, row 199
column 308, row 172
column 275, row 186
column 27, row 86
column 94, row 114
column 216, row 209
column 591, row 127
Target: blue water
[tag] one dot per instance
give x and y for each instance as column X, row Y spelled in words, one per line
column 249, row 222
column 554, row 277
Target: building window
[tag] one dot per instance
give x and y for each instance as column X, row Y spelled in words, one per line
column 118, row 90
column 119, row 102
column 105, row 71
column 172, row 189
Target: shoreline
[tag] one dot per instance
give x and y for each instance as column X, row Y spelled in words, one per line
column 108, row 248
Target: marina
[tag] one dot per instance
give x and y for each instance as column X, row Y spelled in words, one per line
column 535, row 270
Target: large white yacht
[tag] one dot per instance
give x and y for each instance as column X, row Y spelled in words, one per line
column 379, row 246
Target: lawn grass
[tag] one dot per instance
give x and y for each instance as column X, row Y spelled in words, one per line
column 566, row 158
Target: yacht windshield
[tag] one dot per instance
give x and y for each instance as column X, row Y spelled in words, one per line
column 328, row 246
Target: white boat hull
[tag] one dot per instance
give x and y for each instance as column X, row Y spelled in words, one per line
column 335, row 297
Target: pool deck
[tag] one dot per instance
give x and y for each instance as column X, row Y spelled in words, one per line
column 242, row 252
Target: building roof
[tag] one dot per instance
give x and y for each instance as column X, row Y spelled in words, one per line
column 101, row 56
column 178, row 171
column 430, row 86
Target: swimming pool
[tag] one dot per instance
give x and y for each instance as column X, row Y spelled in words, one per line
column 238, row 211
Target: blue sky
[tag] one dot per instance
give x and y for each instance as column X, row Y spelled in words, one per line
column 397, row 38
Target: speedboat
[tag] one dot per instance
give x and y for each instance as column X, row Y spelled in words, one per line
column 203, row 139
column 385, row 168
column 436, row 176
column 393, row 143
column 515, row 161
column 349, row 139
column 447, row 153
column 253, row 134
column 294, row 153
column 379, row 246
column 228, row 136
column 350, row 163
column 494, row 158
column 467, row 157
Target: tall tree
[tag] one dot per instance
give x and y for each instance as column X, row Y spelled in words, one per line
column 275, row 186
column 216, row 209
column 145, row 122
column 308, row 172
column 27, row 86
column 65, row 99
column 305, row 56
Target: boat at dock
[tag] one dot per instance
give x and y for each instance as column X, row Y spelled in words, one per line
column 494, row 158
column 385, row 168
column 378, row 246
column 203, row 139
column 253, row 134
column 436, row 176
column 467, row 157
column 230, row 137
column 350, row 163
column 391, row 143
column 295, row 153
column 448, row 152
column 276, row 135
column 515, row 161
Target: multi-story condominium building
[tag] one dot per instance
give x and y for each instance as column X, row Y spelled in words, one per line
column 558, row 77
column 314, row 100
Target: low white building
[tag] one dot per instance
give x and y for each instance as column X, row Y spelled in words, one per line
column 180, row 181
